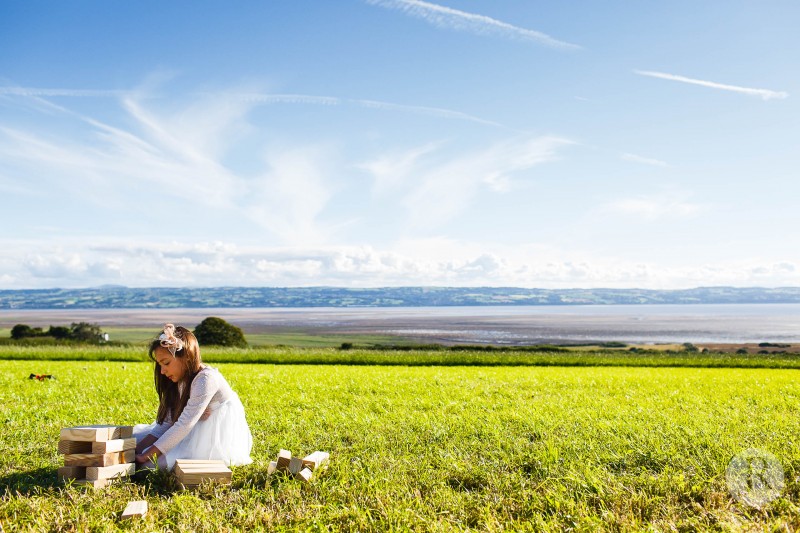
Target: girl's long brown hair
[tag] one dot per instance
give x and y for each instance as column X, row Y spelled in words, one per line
column 171, row 401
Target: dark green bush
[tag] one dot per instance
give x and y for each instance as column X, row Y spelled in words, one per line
column 214, row 331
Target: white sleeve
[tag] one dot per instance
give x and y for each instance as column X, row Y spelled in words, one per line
column 163, row 427
column 203, row 389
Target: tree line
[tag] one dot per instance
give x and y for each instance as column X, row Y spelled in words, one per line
column 77, row 331
column 212, row 331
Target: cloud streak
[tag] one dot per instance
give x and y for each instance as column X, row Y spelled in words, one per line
column 73, row 93
column 257, row 98
column 454, row 19
column 765, row 94
column 371, row 104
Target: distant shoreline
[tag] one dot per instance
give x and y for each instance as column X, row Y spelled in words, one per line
column 706, row 324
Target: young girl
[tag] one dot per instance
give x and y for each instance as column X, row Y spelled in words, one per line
column 199, row 416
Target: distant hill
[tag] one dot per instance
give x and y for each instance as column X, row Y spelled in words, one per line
column 115, row 297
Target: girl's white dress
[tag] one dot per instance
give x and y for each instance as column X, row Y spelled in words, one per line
column 223, row 435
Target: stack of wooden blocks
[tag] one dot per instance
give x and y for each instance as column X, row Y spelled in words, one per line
column 193, row 472
column 300, row 468
column 97, row 455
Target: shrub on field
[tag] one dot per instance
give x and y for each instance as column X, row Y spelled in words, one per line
column 22, row 331
column 85, row 332
column 59, row 332
column 218, row 332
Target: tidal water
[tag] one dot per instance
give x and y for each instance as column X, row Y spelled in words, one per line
column 500, row 325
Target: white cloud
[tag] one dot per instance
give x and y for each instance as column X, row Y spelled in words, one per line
column 454, row 19
column 643, row 160
column 655, row 207
column 441, row 262
column 444, row 188
column 72, row 93
column 290, row 196
column 765, row 94
column 370, row 104
column 435, row 187
column 181, row 155
column 391, row 170
column 229, row 99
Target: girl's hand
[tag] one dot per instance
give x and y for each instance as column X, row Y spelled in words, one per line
column 145, row 443
column 206, row 414
column 150, row 456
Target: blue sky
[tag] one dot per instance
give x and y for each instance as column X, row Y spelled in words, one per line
column 399, row 142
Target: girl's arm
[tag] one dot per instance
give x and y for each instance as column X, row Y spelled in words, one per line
column 150, row 454
column 145, row 443
column 203, row 389
column 154, row 435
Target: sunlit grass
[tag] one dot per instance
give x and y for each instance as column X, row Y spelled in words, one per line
column 426, row 448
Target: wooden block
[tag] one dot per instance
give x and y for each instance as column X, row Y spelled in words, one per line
column 97, row 433
column 116, row 445
column 198, row 478
column 304, row 475
column 316, row 460
column 284, row 458
column 74, row 446
column 105, row 459
column 273, row 465
column 192, row 472
column 295, row 465
column 108, row 472
column 134, row 509
column 96, row 483
column 71, row 472
column 181, row 470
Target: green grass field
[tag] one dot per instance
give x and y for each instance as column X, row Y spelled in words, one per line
column 429, row 448
column 442, row 356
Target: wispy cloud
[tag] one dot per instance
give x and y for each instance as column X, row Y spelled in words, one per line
column 655, row 206
column 765, row 94
column 257, row 98
column 449, row 18
column 438, row 187
column 179, row 157
column 73, row 93
column 371, row 104
column 643, row 160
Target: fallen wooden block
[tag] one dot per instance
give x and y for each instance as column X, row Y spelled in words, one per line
column 304, row 475
column 295, row 465
column 316, row 460
column 284, row 458
column 96, row 433
column 71, row 472
column 273, row 466
column 134, row 509
column 192, row 472
column 116, row 445
column 108, row 472
column 105, row 459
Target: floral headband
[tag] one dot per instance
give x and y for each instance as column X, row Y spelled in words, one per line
column 169, row 341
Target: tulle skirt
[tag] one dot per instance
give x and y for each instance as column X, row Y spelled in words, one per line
column 224, row 435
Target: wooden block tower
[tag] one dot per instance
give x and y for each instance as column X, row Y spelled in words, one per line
column 97, row 455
